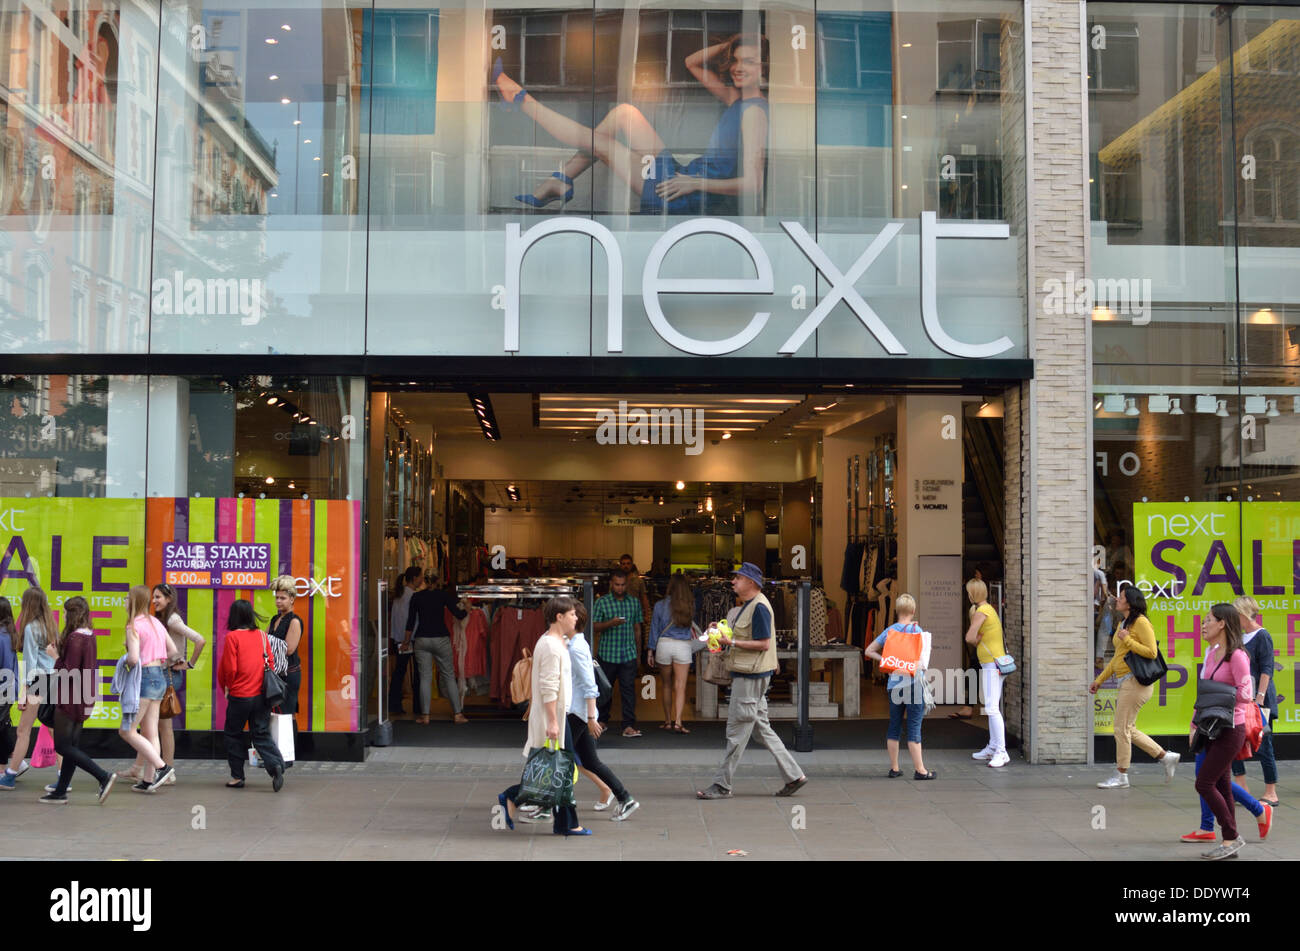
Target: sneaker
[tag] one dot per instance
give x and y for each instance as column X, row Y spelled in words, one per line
column 54, row 800
column 535, row 817
column 1000, row 759
column 1117, row 781
column 141, row 786
column 602, row 806
column 23, row 767
column 1225, row 850
column 1200, row 835
column 1265, row 821
column 8, row 780
column 626, row 809
column 984, row 754
column 171, row 778
column 106, row 787
column 161, row 778
column 1170, row 762
column 277, row 781
column 53, row 786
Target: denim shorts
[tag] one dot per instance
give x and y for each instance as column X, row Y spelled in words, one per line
column 153, row 683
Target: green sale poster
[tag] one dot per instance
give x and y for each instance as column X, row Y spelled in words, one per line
column 1191, row 555
column 69, row 547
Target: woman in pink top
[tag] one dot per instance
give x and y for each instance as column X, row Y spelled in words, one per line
column 146, row 647
column 1227, row 663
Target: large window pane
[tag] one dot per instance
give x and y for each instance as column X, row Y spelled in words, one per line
column 259, row 243
column 77, row 116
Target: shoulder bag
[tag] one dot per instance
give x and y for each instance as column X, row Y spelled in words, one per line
column 715, row 669
column 272, row 685
column 1215, row 705
column 1147, row 670
column 170, row 705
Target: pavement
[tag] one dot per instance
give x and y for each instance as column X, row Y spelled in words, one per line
column 413, row 803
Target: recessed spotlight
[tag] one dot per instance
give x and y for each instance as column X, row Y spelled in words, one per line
column 316, row 159
column 324, row 174
column 285, row 101
column 274, row 195
column 907, row 46
column 285, row 27
column 726, row 435
column 681, row 485
column 270, row 480
column 306, row 141
column 297, row 122
column 273, row 77
column 271, row 41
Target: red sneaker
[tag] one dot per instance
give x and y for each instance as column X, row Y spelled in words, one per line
column 1265, row 821
column 1200, row 835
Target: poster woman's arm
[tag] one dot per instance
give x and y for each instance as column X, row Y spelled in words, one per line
column 753, row 137
column 699, row 65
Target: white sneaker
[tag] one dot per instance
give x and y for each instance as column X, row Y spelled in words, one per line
column 171, row 779
column 602, row 806
column 1117, row 781
column 984, row 754
column 23, row 767
column 1170, row 762
column 53, row 786
column 1000, row 759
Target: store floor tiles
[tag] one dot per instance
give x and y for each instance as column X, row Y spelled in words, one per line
column 401, row 805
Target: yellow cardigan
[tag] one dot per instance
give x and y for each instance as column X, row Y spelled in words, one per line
column 1141, row 640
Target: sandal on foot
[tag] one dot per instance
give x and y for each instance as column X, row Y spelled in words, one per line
column 713, row 792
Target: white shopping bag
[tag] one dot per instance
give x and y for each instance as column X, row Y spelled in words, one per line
column 282, row 735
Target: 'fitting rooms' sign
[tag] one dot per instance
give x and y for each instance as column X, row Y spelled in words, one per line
column 953, row 334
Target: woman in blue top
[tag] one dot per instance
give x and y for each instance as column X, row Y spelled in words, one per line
column 734, row 71
column 8, row 662
column 906, row 690
column 40, row 637
column 671, row 637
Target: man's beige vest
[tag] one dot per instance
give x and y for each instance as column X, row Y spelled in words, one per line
column 741, row 661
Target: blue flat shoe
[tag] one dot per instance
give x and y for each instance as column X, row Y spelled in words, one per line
column 513, row 106
column 510, row 823
column 568, row 832
column 534, row 202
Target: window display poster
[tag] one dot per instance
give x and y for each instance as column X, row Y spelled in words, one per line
column 940, row 603
column 92, row 548
column 317, row 543
column 1190, row 556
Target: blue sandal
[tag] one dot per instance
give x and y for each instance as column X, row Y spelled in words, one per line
column 513, row 106
column 534, row 202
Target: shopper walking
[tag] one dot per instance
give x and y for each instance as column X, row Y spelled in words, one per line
column 752, row 661
column 584, row 723
column 1227, row 663
column 36, row 621
column 985, row 633
column 1258, row 645
column 9, row 644
column 76, row 681
column 426, row 631
column 408, row 583
column 552, row 696
column 617, row 624
column 1135, row 636
column 245, row 658
column 179, row 637
column 903, row 649
column 146, row 648
column 672, row 637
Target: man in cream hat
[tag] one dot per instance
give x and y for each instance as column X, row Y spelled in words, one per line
column 752, row 661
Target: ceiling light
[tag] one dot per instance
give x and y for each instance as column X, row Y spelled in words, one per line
column 274, row 195
column 661, row 500
column 708, row 505
column 907, row 46
column 272, row 400
column 324, row 174
column 285, row 101
column 1272, row 409
column 681, row 485
column 726, row 435
column 273, row 77
column 1096, row 406
column 271, row 40
column 1157, row 403
column 316, row 158
column 1131, row 406
column 297, row 122
column 1176, row 406
column 285, row 27
column 1206, row 403
column 292, row 486
column 1113, row 402
column 270, row 481
column 306, row 141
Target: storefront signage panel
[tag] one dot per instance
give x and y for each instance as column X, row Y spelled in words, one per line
column 748, row 287
column 1191, row 556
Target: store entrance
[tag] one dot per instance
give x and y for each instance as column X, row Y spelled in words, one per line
column 503, row 499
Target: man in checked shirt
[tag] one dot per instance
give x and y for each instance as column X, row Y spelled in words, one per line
column 617, row 620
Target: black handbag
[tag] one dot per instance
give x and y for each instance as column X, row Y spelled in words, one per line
column 45, row 714
column 1147, row 670
column 1216, row 704
column 604, row 688
column 272, row 685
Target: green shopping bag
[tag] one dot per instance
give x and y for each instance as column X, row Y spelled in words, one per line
column 550, row 776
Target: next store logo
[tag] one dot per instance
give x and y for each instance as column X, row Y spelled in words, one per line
column 841, row 283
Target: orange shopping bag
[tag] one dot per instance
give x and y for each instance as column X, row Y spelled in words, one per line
column 902, row 651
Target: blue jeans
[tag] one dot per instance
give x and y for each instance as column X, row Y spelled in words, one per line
column 1266, row 759
column 1239, row 794
column 899, row 699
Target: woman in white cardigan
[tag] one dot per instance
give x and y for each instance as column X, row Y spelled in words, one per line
column 552, row 689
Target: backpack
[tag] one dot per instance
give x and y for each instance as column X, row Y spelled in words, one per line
column 521, row 679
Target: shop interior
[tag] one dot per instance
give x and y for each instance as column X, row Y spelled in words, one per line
column 511, row 497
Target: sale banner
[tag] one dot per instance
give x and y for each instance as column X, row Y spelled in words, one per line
column 69, row 547
column 1192, row 555
column 215, row 551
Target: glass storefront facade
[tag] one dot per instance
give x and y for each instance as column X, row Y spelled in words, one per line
column 338, row 177
column 1194, row 301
